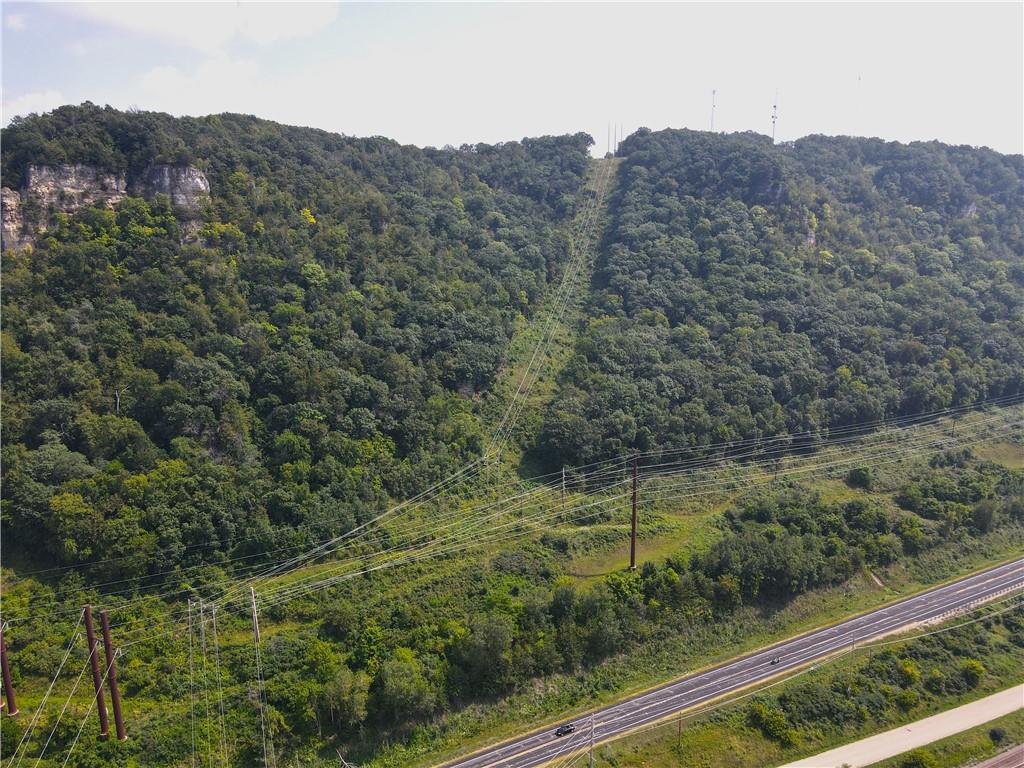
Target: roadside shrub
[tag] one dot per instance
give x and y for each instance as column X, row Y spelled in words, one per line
column 772, row 722
column 919, row 758
column 972, row 670
column 860, row 477
column 936, row 682
column 907, row 699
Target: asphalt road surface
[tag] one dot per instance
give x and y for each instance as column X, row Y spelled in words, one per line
column 1011, row 758
column 543, row 747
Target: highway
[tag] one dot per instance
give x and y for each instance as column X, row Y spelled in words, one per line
column 1011, row 758
column 543, row 747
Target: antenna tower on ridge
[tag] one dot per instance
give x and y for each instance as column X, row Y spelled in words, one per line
column 775, row 113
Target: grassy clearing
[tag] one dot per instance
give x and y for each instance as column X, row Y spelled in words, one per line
column 1010, row 455
column 970, row 747
column 685, row 526
column 561, row 335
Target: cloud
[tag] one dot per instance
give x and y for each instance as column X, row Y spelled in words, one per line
column 216, row 85
column 39, row 101
column 212, row 27
column 15, row 21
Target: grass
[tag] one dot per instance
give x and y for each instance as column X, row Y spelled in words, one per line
column 529, row 333
column 970, row 746
column 1010, row 455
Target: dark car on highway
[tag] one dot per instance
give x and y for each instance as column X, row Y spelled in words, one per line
column 565, row 730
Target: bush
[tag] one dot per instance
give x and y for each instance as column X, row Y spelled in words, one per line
column 919, row 758
column 997, row 735
column 907, row 700
column 772, row 722
column 972, row 671
column 860, row 477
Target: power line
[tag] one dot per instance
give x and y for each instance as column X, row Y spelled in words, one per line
column 692, row 489
column 787, row 437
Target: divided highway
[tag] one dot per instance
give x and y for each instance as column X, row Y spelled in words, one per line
column 543, row 747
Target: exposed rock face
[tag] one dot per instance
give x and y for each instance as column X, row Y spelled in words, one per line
column 66, row 188
column 10, row 202
column 51, row 189
column 185, row 185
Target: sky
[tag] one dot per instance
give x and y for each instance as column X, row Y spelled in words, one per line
column 437, row 74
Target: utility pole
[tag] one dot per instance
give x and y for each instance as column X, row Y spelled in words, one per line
column 259, row 674
column 632, row 535
column 563, row 489
column 713, row 93
column 591, row 741
column 115, row 692
column 97, row 678
column 191, row 685
column 12, row 705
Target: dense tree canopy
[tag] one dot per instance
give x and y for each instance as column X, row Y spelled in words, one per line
column 747, row 290
column 177, row 390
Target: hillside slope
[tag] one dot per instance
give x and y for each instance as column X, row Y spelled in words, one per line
column 226, row 340
column 747, row 290
column 305, row 343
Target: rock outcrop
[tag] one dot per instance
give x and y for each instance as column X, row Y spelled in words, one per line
column 10, row 203
column 52, row 189
column 185, row 185
column 66, row 188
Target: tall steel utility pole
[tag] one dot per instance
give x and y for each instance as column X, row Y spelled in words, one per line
column 632, row 535
column 259, row 677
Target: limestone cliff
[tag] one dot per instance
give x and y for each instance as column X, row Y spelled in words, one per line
column 66, row 188
column 52, row 189
column 10, row 203
column 185, row 185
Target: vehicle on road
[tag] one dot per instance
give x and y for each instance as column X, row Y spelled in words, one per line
column 776, row 660
column 565, row 730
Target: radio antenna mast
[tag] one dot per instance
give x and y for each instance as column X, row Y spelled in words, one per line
column 713, row 92
column 775, row 113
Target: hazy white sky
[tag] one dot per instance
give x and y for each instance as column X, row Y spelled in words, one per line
column 450, row 74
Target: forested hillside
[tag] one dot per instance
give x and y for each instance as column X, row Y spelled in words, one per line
column 747, row 290
column 193, row 395
column 274, row 372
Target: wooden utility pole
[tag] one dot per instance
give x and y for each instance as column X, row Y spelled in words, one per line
column 97, row 678
column 115, row 692
column 632, row 534
column 9, row 700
